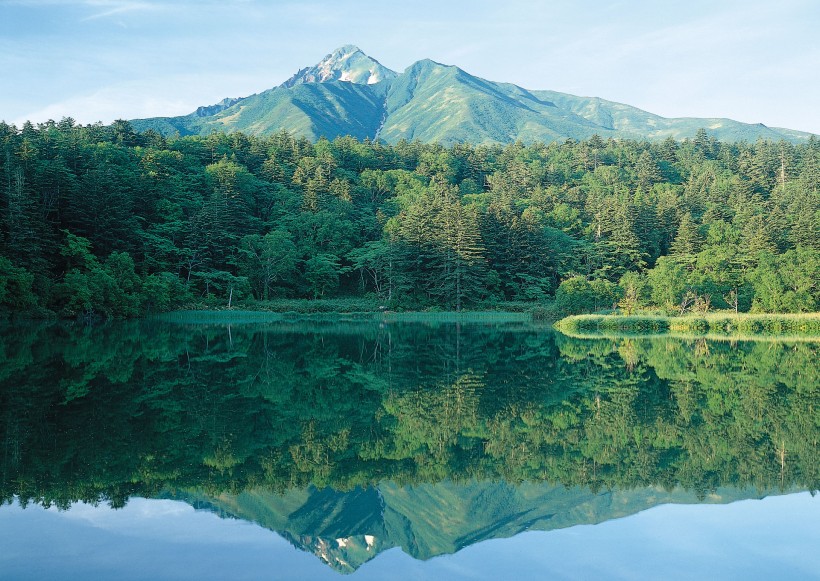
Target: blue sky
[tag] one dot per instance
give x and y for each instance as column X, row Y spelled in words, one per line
column 754, row 61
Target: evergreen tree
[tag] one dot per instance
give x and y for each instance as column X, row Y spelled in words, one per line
column 688, row 240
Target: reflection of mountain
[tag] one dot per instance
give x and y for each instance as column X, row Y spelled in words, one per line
column 347, row 529
column 138, row 408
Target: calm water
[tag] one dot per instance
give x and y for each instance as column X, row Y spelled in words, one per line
column 305, row 450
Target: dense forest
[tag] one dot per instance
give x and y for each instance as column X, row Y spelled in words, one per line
column 104, row 221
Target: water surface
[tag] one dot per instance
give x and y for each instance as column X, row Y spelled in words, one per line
column 363, row 445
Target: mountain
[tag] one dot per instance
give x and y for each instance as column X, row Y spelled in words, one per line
column 347, row 63
column 347, row 529
column 350, row 93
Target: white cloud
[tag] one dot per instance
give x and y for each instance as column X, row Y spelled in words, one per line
column 106, row 105
column 113, row 7
column 154, row 97
column 98, row 8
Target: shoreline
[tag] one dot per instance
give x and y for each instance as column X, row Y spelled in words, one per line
column 740, row 326
column 252, row 316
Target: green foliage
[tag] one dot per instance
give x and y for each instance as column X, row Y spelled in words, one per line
column 739, row 326
column 106, row 221
column 268, row 260
column 579, row 295
column 667, row 283
column 16, row 292
column 787, row 283
column 633, row 292
column 322, row 274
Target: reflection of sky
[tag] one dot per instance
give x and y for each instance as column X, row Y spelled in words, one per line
column 776, row 538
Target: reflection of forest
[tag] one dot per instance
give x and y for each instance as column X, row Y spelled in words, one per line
column 141, row 408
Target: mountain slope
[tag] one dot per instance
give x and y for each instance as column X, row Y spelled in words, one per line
column 628, row 121
column 434, row 102
column 350, row 93
column 311, row 109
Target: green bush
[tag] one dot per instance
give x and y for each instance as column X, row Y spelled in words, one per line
column 578, row 295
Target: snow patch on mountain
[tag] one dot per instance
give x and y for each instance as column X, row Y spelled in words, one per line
column 347, row 64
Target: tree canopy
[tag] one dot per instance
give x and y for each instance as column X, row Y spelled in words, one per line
column 103, row 220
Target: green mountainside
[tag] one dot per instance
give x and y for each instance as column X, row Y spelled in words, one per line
column 347, row 529
column 311, row 110
column 349, row 93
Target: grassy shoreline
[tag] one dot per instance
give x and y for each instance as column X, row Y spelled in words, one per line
column 355, row 310
column 238, row 316
column 711, row 325
column 717, row 325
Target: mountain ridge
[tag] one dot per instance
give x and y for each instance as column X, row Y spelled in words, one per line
column 351, row 93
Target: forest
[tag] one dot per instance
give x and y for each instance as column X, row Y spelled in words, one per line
column 103, row 221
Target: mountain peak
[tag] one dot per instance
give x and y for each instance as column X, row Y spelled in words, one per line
column 347, row 63
column 347, row 49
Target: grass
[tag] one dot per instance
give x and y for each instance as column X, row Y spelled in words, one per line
column 280, row 305
column 358, row 309
column 457, row 317
column 731, row 325
column 236, row 316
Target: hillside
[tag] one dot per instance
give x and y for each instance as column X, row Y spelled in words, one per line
column 350, row 93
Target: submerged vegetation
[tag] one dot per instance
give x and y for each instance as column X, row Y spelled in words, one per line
column 105, row 221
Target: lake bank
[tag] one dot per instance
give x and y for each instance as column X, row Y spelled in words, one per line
column 236, row 316
column 712, row 325
column 743, row 326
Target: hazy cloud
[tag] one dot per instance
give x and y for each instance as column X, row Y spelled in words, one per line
column 113, row 7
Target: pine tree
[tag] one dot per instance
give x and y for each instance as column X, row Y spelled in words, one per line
column 756, row 239
column 688, row 240
column 467, row 254
column 647, row 171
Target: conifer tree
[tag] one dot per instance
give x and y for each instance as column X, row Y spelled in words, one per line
column 688, row 240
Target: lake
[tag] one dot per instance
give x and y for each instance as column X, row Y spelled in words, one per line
column 427, row 449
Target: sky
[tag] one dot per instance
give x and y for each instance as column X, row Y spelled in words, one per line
column 756, row 61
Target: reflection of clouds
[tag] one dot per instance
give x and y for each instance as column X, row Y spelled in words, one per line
column 148, row 539
column 167, row 520
column 137, row 509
